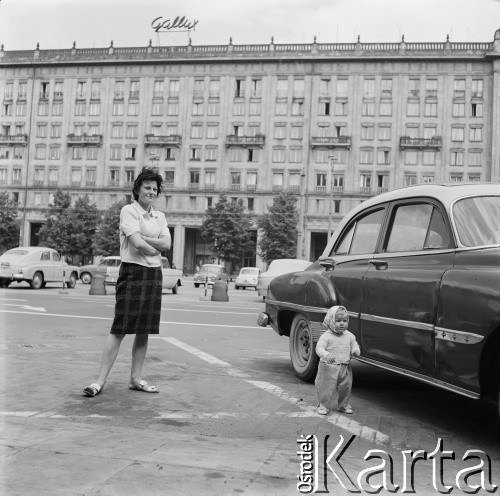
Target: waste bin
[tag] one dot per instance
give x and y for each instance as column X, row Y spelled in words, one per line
column 97, row 286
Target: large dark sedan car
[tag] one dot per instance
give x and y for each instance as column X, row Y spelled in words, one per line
column 418, row 269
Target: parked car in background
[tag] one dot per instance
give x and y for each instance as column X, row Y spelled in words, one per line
column 208, row 274
column 277, row 268
column 36, row 265
column 418, row 269
column 87, row 270
column 247, row 278
column 172, row 278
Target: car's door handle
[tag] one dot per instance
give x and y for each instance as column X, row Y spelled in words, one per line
column 379, row 264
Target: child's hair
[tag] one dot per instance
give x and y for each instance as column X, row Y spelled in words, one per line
column 329, row 320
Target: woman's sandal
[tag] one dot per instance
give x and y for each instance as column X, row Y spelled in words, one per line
column 93, row 390
column 143, row 386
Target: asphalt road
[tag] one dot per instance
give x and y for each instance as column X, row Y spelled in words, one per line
column 227, row 394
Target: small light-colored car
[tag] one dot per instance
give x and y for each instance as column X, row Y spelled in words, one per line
column 36, row 265
column 208, row 274
column 277, row 268
column 87, row 270
column 247, row 278
column 172, row 278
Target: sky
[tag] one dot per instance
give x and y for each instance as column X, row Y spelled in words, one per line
column 95, row 23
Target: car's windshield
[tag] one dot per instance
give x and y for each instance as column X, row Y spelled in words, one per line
column 478, row 220
column 246, row 272
column 210, row 269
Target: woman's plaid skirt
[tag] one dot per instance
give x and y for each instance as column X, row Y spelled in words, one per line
column 138, row 300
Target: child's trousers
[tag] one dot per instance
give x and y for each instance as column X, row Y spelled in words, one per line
column 333, row 381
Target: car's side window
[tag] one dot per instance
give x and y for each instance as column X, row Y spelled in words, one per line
column 45, row 255
column 164, row 263
column 56, row 257
column 417, row 227
column 361, row 237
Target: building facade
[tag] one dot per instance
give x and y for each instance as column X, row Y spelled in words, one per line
column 332, row 123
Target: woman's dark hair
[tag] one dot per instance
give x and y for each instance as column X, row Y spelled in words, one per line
column 146, row 174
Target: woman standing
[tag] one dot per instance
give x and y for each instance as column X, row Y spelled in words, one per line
column 143, row 235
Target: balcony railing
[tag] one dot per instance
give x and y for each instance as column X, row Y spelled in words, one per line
column 235, row 187
column 233, row 140
column 170, row 140
column 14, row 139
column 194, row 185
column 84, row 139
column 407, row 142
column 331, row 141
column 251, row 187
column 321, row 188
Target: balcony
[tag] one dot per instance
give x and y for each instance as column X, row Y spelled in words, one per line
column 331, row 141
column 170, row 140
column 84, row 139
column 14, row 139
column 235, row 187
column 244, row 141
column 407, row 142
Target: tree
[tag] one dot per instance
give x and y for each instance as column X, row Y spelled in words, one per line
column 279, row 226
column 9, row 224
column 54, row 232
column 106, row 240
column 227, row 227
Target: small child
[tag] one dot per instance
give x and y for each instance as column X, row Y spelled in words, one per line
column 335, row 348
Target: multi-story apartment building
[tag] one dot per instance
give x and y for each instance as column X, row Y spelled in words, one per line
column 332, row 123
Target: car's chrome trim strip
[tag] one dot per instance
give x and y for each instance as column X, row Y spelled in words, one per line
column 421, row 378
column 441, row 333
column 402, row 323
column 457, row 336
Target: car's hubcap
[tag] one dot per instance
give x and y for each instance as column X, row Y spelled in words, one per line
column 304, row 343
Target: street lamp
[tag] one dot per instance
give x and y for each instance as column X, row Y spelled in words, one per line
column 333, row 159
column 302, row 206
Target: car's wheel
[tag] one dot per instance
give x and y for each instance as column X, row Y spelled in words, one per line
column 196, row 285
column 4, row 283
column 175, row 289
column 72, row 281
column 86, row 278
column 37, row 281
column 302, row 353
column 44, row 283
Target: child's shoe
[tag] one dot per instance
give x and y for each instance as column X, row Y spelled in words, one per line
column 348, row 409
column 322, row 410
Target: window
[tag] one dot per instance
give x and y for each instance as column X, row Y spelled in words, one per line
column 212, row 131
column 194, row 177
column 132, row 131
column 119, row 89
column 255, row 108
column 251, row 181
column 43, row 109
column 386, row 88
column 298, row 88
column 458, row 109
column 457, row 157
column 256, row 88
column 296, row 132
column 369, row 88
column 41, row 130
column 430, row 109
column 236, row 155
column 475, row 134
column 324, row 87
column 210, row 179
column 368, row 109
column 173, row 89
column 342, row 87
column 281, row 108
column 239, row 108
column 54, row 153
column 129, row 176
column 169, row 177
column 295, row 154
column 235, row 180
column 457, row 134
column 294, row 181
column 76, row 177
column 194, row 153
column 384, row 132
column 385, row 108
column 361, row 237
column 412, row 109
column 117, row 131
column 431, row 88
column 477, row 88
column 278, row 180
column 367, row 131
column 338, row 182
column 214, row 88
column 239, row 88
column 320, row 181
column 279, row 131
column 383, row 157
column 95, row 90
column 456, row 178
column 474, row 177
column 133, row 109
column 7, row 109
column 198, row 88
column 130, row 152
column 57, row 109
column 55, row 131
column 173, row 109
column 157, row 108
column 365, row 181
column 340, row 108
column 196, row 131
column 459, row 88
column 171, row 153
column 211, row 153
column 278, row 154
column 77, row 153
column 322, row 156
column 90, row 177
column 92, row 152
column 427, row 178
column 95, row 108
column 114, row 177
column 476, row 110
column 411, row 157
column 324, row 108
column 282, row 88
column 475, row 158
column 429, row 132
column 366, row 156
column 414, row 88
column 429, row 157
column 213, row 108
column 53, row 177
column 81, row 89
column 116, row 152
column 21, row 109
column 16, row 176
column 382, row 182
column 118, row 108
column 197, row 108
column 412, row 130
column 417, row 227
column 40, row 152
column 158, row 87
column 410, row 179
